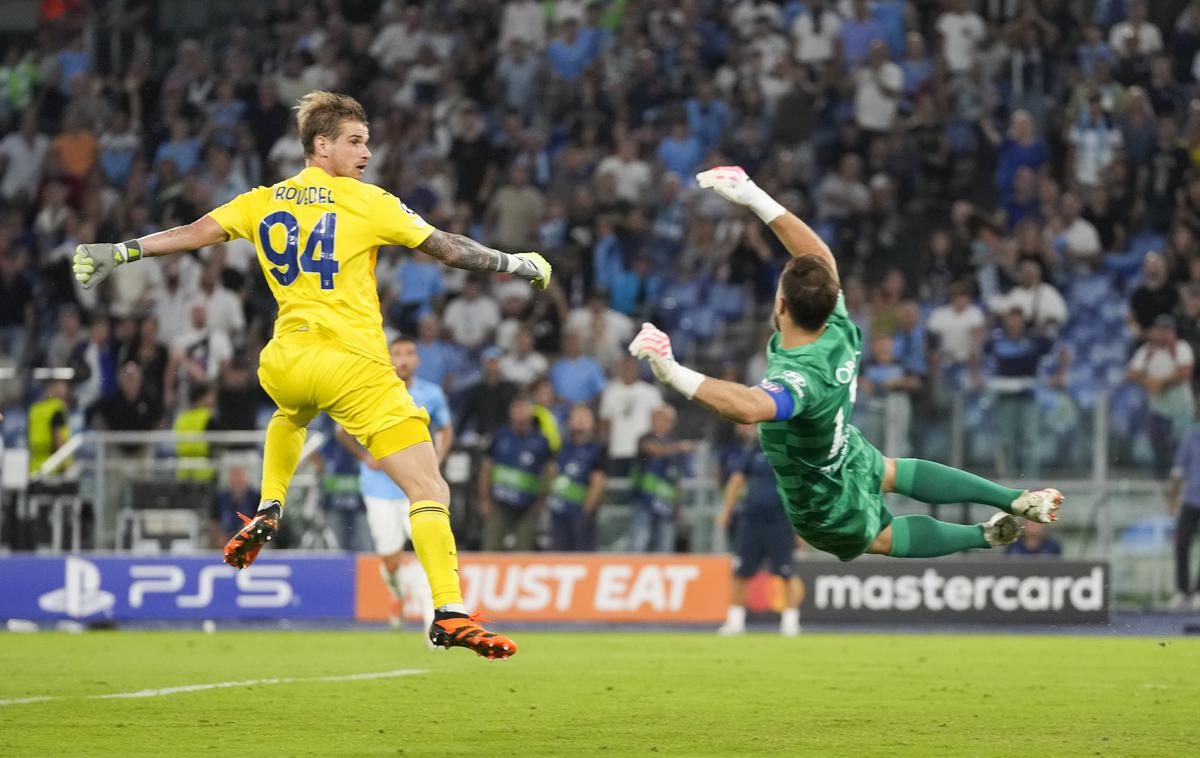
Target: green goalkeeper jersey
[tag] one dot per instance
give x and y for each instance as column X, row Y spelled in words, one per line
column 829, row 476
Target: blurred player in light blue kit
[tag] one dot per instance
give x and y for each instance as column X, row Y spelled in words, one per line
column 387, row 505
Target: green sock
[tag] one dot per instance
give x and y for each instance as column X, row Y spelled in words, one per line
column 932, row 482
column 925, row 537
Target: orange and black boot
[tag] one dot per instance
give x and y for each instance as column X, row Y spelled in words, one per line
column 460, row 630
column 241, row 551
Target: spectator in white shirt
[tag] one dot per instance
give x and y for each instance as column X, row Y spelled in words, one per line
column 524, row 365
column 1164, row 365
column 22, row 155
column 1076, row 236
column 223, row 308
column 322, row 73
column 958, row 326
column 625, row 410
column 289, row 83
column 1094, row 140
column 768, row 41
column 746, row 14
column 519, row 71
column 472, row 317
column 633, row 176
column 286, row 157
column 815, row 33
column 1041, row 304
column 1149, row 39
column 523, row 20
column 843, row 195
column 133, row 290
column 605, row 331
column 180, row 277
column 397, row 41
column 878, row 85
column 962, row 30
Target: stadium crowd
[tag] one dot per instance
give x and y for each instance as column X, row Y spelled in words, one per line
column 1012, row 188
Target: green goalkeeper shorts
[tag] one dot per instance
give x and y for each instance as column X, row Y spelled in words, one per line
column 845, row 520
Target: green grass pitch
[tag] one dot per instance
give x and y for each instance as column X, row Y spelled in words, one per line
column 602, row 694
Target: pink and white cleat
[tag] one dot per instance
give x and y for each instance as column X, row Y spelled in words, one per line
column 1039, row 505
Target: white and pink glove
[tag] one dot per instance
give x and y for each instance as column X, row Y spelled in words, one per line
column 653, row 345
column 732, row 183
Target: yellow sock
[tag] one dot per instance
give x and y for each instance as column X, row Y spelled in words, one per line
column 434, row 543
column 281, row 454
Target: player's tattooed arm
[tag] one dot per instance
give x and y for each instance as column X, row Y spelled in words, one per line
column 458, row 251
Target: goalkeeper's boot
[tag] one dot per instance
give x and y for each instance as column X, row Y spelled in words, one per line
column 241, row 551
column 1001, row 529
column 460, row 630
column 1040, row 505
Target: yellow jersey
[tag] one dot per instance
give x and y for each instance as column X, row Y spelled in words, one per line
column 317, row 238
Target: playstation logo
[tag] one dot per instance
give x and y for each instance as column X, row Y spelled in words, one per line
column 80, row 596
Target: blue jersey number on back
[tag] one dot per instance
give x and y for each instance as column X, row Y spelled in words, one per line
column 318, row 257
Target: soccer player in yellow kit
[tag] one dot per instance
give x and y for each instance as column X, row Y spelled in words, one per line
column 317, row 236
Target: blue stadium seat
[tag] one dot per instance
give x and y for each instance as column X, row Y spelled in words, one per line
column 1127, row 409
column 1145, row 242
column 1124, row 265
column 728, row 300
column 700, row 321
column 1088, row 292
column 14, row 426
column 263, row 417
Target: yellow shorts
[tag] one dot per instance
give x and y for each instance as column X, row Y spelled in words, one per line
column 307, row 372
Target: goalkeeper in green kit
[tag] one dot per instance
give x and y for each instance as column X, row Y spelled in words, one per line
column 831, row 479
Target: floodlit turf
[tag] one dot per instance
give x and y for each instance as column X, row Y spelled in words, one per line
column 603, row 694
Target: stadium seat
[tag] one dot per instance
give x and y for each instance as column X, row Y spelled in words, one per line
column 164, row 510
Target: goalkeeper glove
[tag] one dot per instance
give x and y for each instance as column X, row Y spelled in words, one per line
column 531, row 266
column 93, row 263
column 653, row 345
column 732, row 183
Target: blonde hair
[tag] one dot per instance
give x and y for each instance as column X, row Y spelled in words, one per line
column 321, row 113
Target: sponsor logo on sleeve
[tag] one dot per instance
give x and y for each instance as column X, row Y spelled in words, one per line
column 795, row 381
column 416, row 216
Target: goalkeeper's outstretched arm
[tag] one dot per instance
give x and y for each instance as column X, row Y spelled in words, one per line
column 735, row 402
column 94, row 262
column 729, row 400
column 202, row 232
column 732, row 183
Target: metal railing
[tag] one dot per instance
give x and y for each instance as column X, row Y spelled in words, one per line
column 1102, row 510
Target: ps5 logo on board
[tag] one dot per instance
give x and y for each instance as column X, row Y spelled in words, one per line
column 80, row 596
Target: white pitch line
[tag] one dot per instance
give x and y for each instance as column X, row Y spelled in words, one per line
column 222, row 685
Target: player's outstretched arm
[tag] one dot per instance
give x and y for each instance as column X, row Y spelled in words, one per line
column 729, row 400
column 94, row 262
column 732, row 183
column 458, row 251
